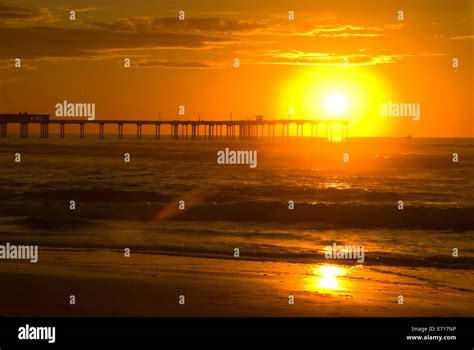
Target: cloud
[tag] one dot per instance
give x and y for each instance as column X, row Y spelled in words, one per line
column 347, row 35
column 46, row 42
column 173, row 64
column 305, row 58
column 286, row 28
column 207, row 24
column 16, row 12
column 221, row 37
column 343, row 31
column 77, row 10
column 17, row 15
column 174, row 25
column 463, row 37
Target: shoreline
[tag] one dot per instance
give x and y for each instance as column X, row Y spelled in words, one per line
column 108, row 284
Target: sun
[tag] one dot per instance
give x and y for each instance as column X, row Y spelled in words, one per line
column 336, row 102
column 332, row 92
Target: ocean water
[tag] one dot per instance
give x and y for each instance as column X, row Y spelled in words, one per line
column 136, row 204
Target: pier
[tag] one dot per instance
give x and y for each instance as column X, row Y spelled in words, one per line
column 188, row 129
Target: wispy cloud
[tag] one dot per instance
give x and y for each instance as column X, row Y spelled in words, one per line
column 23, row 16
column 173, row 64
column 214, row 41
column 77, row 9
column 174, row 25
column 285, row 28
column 463, row 37
column 43, row 42
column 305, row 58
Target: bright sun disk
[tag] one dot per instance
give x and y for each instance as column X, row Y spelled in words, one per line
column 336, row 102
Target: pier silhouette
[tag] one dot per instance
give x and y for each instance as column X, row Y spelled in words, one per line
column 184, row 129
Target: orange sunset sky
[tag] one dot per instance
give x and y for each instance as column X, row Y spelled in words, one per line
column 284, row 63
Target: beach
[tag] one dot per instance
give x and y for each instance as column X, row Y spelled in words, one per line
column 108, row 284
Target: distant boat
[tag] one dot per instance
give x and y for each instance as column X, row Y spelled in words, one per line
column 409, row 137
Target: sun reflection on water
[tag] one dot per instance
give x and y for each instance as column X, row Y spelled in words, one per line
column 326, row 279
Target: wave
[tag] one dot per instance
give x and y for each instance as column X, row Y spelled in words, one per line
column 459, row 219
column 227, row 194
column 95, row 195
column 340, row 215
column 290, row 255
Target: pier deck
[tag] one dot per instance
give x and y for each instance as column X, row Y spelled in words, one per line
column 183, row 129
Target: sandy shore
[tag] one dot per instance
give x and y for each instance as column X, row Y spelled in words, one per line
column 105, row 283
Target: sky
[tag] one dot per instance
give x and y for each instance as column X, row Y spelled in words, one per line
column 364, row 52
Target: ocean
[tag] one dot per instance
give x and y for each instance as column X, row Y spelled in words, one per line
column 174, row 199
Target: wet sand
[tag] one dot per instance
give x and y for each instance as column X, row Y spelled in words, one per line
column 105, row 283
